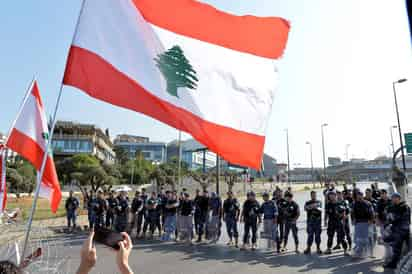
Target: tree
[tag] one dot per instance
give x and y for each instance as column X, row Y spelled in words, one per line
column 121, row 155
column 231, row 177
column 177, row 70
column 14, row 181
column 28, row 174
column 205, row 179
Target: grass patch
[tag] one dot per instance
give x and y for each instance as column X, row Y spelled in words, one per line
column 43, row 210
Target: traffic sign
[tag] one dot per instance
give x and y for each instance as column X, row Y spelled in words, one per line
column 408, row 142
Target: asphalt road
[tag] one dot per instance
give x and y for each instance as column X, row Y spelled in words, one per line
column 154, row 257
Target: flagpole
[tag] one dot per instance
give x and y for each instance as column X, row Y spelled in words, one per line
column 46, row 153
column 180, row 159
column 3, row 155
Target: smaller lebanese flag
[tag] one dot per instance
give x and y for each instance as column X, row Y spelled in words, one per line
column 3, row 188
column 28, row 138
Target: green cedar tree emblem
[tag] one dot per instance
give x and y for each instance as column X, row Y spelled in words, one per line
column 177, row 70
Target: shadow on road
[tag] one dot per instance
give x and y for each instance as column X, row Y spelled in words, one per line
column 334, row 264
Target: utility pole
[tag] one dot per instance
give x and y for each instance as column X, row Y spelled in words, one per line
column 288, row 151
column 323, row 151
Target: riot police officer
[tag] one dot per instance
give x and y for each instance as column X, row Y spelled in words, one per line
column 201, row 209
column 111, row 208
column 281, row 204
column 72, row 205
column 136, row 209
column 399, row 220
column 100, row 209
column 335, row 214
column 231, row 212
column 292, row 213
column 250, row 216
column 215, row 217
column 313, row 208
column 122, row 212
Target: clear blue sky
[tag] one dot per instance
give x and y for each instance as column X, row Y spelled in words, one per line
column 340, row 61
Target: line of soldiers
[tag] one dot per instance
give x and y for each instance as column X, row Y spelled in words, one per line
column 180, row 217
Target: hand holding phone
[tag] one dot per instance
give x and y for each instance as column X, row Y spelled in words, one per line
column 108, row 237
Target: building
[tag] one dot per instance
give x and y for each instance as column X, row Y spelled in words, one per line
column 193, row 154
column 70, row 138
column 151, row 151
column 281, row 172
column 334, row 161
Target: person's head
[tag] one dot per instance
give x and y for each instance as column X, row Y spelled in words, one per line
column 345, row 187
column 137, row 194
column 143, row 191
column 230, row 194
column 111, row 194
column 339, row 195
column 154, row 195
column 384, row 194
column 313, row 195
column 396, row 198
column 368, row 193
column 169, row 194
column 7, row 267
column 251, row 196
column 289, row 196
column 197, row 192
column 373, row 186
column 332, row 196
column 186, row 196
column 100, row 194
column 280, row 194
column 332, row 185
column 213, row 195
column 349, row 193
column 359, row 195
column 205, row 193
column 123, row 194
column 265, row 196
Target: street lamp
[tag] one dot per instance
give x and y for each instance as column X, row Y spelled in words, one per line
column 392, row 143
column 287, row 148
column 399, row 123
column 323, row 150
column 311, row 162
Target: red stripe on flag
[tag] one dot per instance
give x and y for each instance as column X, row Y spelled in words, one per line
column 92, row 74
column 32, row 152
column 36, row 93
column 261, row 36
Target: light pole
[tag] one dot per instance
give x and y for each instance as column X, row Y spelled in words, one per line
column 287, row 148
column 323, row 150
column 311, row 163
column 399, row 123
column 347, row 151
column 392, row 143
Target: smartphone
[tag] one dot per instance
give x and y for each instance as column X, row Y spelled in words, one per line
column 108, row 237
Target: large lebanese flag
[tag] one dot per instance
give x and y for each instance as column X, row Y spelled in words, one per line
column 28, row 138
column 3, row 187
column 195, row 68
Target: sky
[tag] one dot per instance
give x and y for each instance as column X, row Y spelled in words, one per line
column 338, row 68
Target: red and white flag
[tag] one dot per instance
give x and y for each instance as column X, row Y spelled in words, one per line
column 3, row 186
column 28, row 137
column 203, row 71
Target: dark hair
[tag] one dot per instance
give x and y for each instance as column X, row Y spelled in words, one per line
column 7, row 267
column 313, row 192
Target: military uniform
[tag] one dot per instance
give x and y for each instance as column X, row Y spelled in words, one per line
column 100, row 209
column 214, row 218
column 121, row 214
column 314, row 222
column 250, row 214
column 137, row 208
column 110, row 214
column 201, row 210
column 281, row 204
column 186, row 220
column 399, row 220
column 72, row 204
column 231, row 208
column 292, row 212
column 336, row 212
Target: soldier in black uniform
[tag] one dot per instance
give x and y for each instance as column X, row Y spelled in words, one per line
column 111, row 208
column 292, row 213
column 281, row 204
column 122, row 211
column 399, row 220
column 250, row 216
column 231, row 213
column 335, row 215
column 373, row 237
column 313, row 208
column 201, row 209
column 72, row 205
column 381, row 210
column 100, row 209
column 136, row 209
